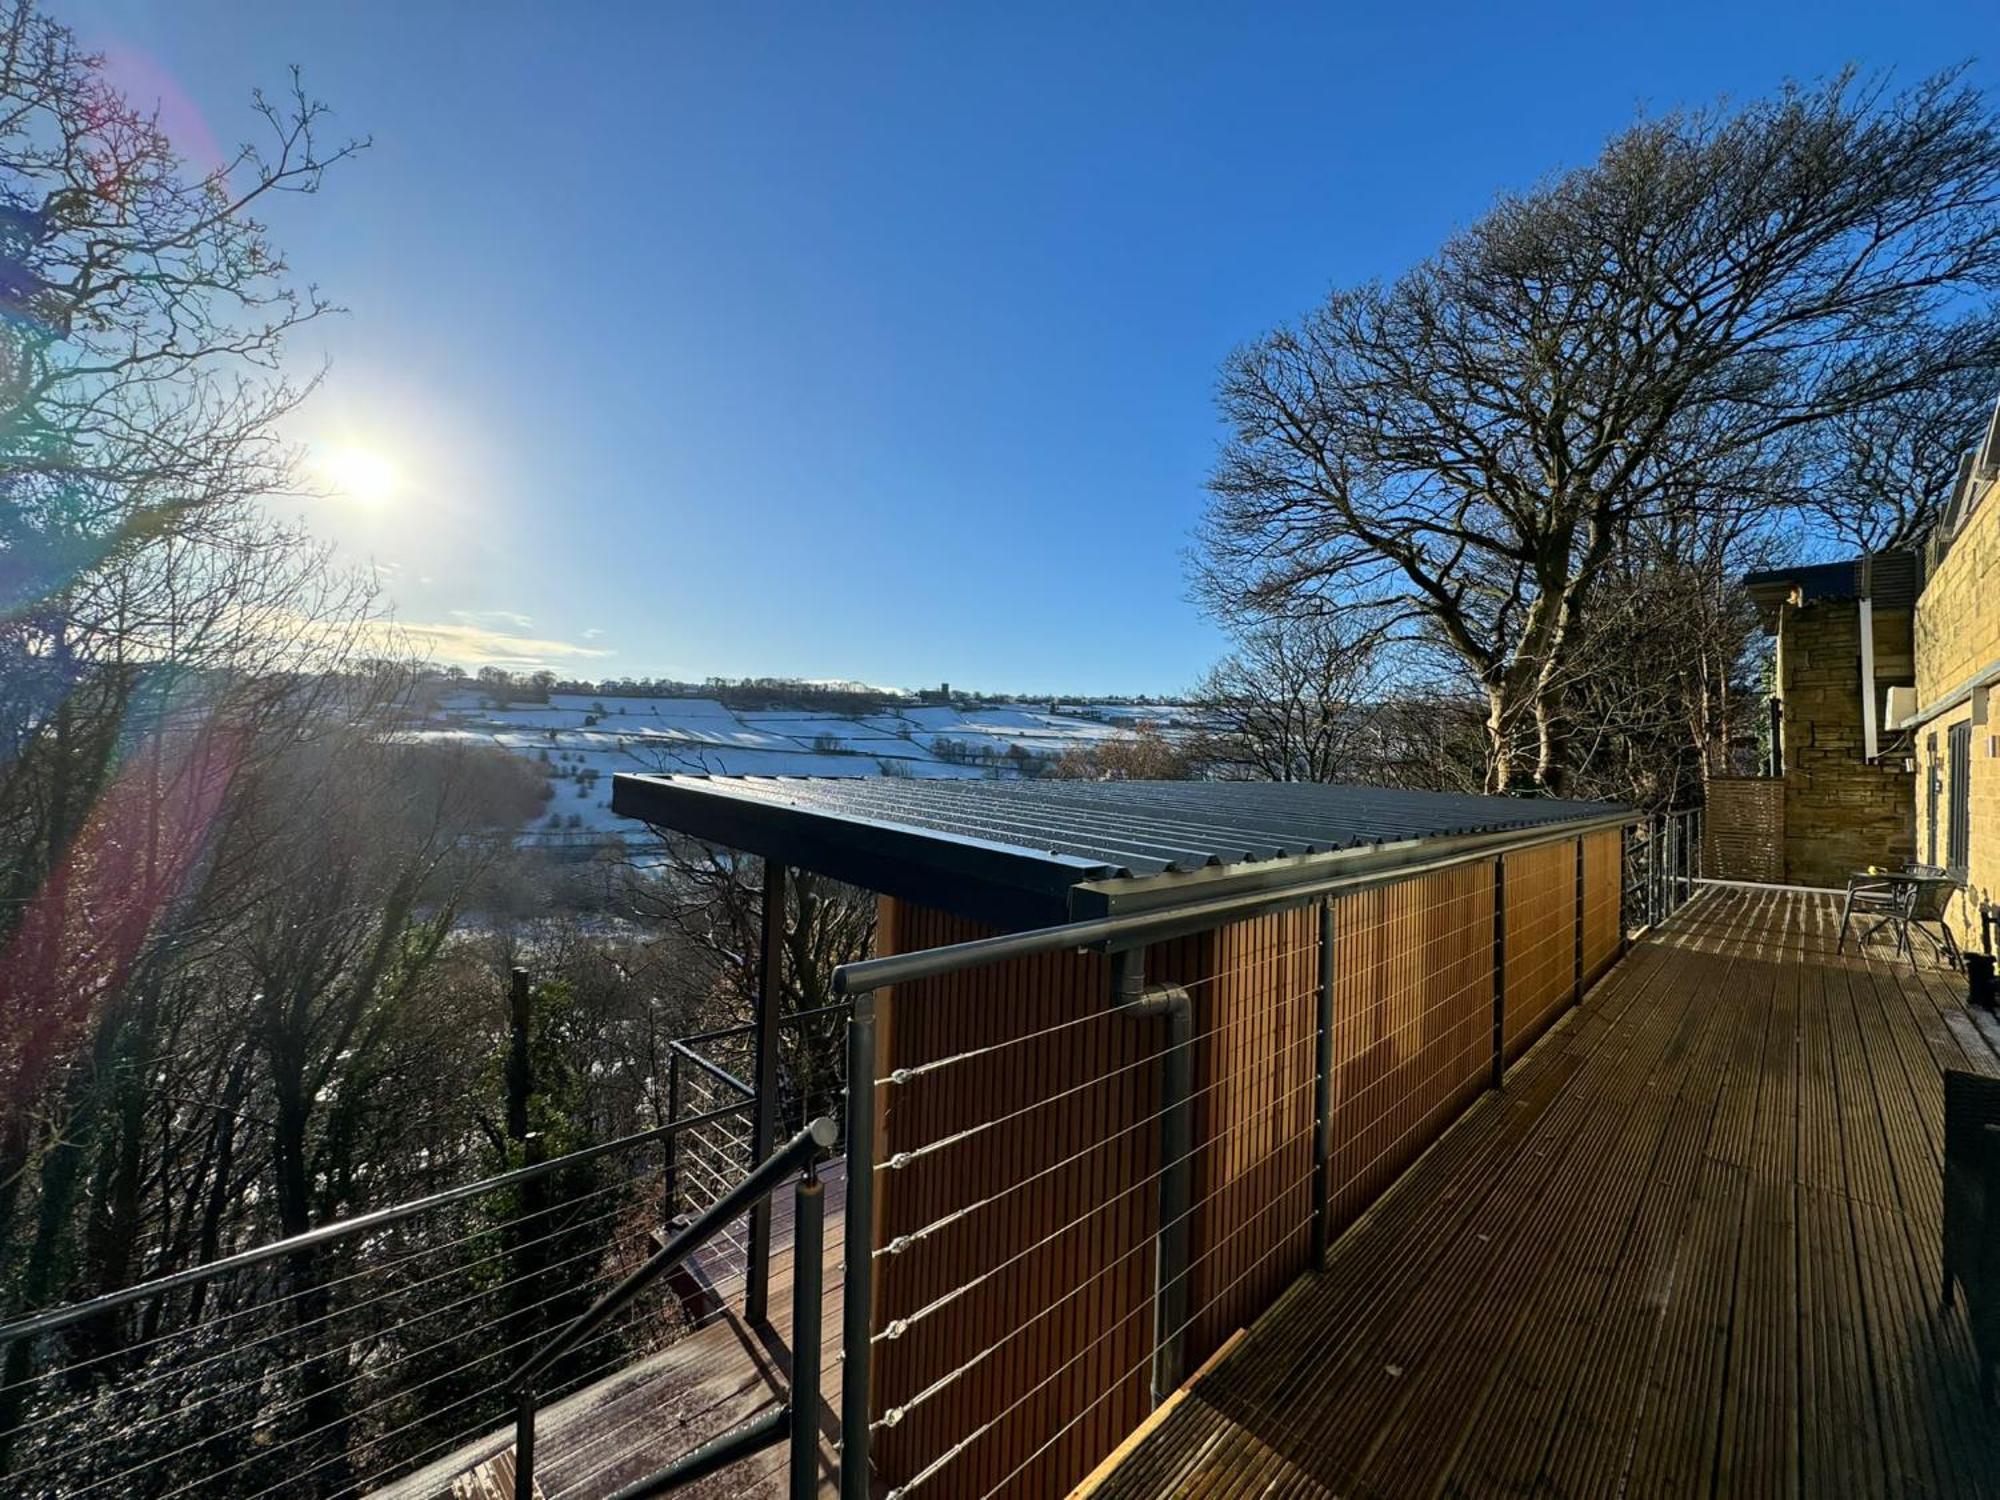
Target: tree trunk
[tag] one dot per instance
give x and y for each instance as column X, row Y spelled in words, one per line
column 321, row 1445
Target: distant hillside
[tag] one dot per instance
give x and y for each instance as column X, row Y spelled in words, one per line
column 582, row 739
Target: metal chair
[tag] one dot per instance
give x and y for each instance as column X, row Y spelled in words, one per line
column 1930, row 902
column 1917, row 897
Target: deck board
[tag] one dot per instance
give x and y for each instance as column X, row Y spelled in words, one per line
column 1691, row 1250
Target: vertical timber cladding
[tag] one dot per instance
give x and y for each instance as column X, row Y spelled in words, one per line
column 1062, row 1211
column 1541, row 940
column 1603, row 901
column 1068, row 1312
column 1253, row 1080
column 1047, row 1279
column 1412, row 1022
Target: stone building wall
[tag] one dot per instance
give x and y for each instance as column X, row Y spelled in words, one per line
column 1842, row 813
column 1957, row 639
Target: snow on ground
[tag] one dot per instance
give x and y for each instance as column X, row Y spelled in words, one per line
column 585, row 739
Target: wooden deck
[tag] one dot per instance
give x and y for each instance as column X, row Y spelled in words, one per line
column 1691, row 1250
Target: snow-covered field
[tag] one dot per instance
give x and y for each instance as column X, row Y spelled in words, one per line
column 584, row 739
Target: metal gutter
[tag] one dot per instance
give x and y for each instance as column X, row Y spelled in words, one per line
column 1870, row 748
column 1132, row 996
column 1986, row 677
column 1130, row 895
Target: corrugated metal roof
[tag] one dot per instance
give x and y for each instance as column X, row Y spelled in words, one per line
column 1046, row 836
column 1891, row 580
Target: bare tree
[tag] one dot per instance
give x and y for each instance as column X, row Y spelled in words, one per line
column 1147, row 753
column 1670, row 328
column 1297, row 700
column 1890, row 469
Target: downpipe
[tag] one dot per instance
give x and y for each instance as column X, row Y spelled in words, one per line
column 1132, row 996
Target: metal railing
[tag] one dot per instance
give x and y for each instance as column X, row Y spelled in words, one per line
column 1663, row 862
column 797, row 1415
column 335, row 1361
column 554, row 1283
column 711, row 1071
column 1035, row 1277
column 329, row 1362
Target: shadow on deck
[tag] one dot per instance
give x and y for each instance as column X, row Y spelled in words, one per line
column 1693, row 1249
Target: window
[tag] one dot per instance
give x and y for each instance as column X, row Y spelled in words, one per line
column 1961, row 802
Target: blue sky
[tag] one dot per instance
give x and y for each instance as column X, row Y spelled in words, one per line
column 877, row 341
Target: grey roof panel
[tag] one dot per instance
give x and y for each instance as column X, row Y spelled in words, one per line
column 1035, row 838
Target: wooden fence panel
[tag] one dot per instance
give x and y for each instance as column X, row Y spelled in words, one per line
column 1062, row 1212
column 1603, row 902
column 1743, row 829
column 1038, row 1231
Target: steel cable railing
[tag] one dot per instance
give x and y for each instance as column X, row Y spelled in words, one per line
column 1057, row 1210
column 334, row 1361
column 797, row 1414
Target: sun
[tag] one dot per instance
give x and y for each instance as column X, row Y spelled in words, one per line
column 364, row 475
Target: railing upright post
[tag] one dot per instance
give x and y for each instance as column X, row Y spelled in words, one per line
column 857, row 1252
column 764, row 1113
column 1624, row 890
column 1576, row 997
column 1652, row 858
column 1323, row 1086
column 672, row 1188
column 808, row 1268
column 1500, row 971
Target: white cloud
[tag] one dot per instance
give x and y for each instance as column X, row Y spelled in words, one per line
column 492, row 617
column 592, row 634
column 466, row 644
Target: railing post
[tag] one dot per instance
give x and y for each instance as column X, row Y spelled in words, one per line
column 1576, row 996
column 524, row 1443
column 1652, row 853
column 1624, row 890
column 1500, row 971
column 1323, row 1086
column 858, row 1252
column 808, row 1267
column 764, row 1114
column 671, row 1190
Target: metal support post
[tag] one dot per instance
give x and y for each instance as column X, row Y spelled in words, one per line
column 764, row 1115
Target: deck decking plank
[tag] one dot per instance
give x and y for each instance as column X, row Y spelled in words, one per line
column 1691, row 1251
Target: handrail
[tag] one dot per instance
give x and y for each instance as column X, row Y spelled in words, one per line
column 1136, row 929
column 52, row 1319
column 797, row 1415
column 716, row 1034
column 714, row 1070
column 790, row 1157
column 839, row 1007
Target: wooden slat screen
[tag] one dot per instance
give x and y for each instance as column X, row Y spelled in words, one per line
column 1603, row 902
column 1066, row 1219
column 1743, row 828
column 1253, row 1082
column 1412, row 1023
column 1541, row 940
